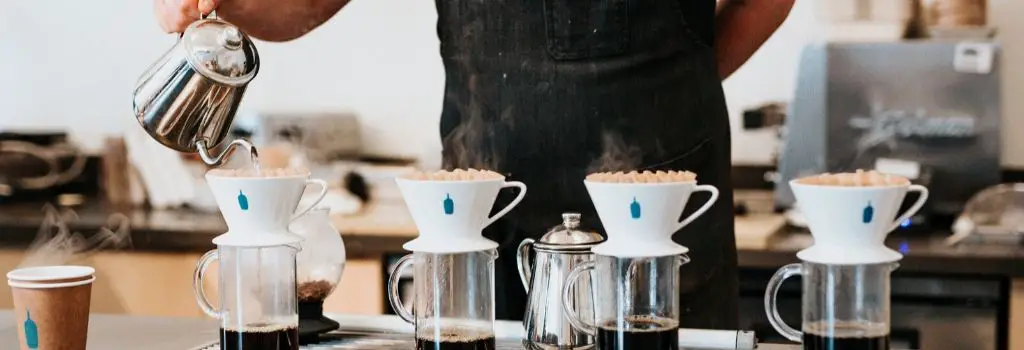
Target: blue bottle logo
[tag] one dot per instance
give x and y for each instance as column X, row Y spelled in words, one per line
column 869, row 213
column 449, row 205
column 634, row 209
column 31, row 332
column 243, row 201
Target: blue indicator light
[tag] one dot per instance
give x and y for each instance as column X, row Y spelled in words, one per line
column 904, row 248
column 905, row 223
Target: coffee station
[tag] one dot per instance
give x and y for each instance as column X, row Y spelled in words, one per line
column 886, row 221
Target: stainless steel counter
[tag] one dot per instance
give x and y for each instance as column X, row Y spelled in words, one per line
column 151, row 333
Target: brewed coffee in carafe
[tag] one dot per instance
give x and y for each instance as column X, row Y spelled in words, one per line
column 256, row 258
column 635, row 272
column 846, row 273
column 453, row 294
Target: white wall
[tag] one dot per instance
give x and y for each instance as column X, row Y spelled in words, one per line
column 72, row 64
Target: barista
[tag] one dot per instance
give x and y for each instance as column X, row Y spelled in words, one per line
column 547, row 91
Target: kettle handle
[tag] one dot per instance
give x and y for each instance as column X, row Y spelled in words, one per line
column 524, row 263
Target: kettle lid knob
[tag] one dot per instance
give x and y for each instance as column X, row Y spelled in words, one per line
column 568, row 236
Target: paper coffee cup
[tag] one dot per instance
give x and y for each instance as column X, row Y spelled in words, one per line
column 51, row 306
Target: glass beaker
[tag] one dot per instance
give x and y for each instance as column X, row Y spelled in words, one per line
column 453, row 299
column 257, row 296
column 636, row 301
column 844, row 306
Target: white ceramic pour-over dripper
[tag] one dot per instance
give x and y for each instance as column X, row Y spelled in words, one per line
column 258, row 210
column 451, row 215
column 849, row 224
column 640, row 218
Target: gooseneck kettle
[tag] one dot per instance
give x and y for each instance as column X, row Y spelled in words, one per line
column 188, row 98
column 557, row 253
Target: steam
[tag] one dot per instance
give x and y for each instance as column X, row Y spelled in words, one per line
column 56, row 244
column 616, row 155
column 476, row 143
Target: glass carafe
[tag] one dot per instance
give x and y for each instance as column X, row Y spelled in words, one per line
column 257, row 296
column 636, row 301
column 844, row 306
column 453, row 299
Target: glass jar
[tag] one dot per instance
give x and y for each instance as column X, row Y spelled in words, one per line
column 453, row 296
column 257, row 296
column 321, row 262
column 844, row 306
column 636, row 301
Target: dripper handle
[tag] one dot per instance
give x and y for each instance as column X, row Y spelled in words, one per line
column 197, row 283
column 914, row 208
column 771, row 307
column 393, row 297
column 319, row 198
column 568, row 307
column 524, row 263
column 508, row 208
column 707, row 205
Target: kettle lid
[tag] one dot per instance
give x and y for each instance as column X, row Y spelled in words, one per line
column 568, row 235
column 220, row 51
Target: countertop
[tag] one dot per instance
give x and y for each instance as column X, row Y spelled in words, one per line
column 155, row 333
column 383, row 227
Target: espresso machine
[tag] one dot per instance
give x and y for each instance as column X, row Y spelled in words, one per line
column 925, row 110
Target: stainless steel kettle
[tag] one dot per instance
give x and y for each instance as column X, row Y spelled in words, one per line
column 555, row 255
column 188, row 98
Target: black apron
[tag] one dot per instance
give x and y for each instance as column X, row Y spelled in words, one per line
column 546, row 91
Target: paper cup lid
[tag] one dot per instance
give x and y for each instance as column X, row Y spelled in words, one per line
column 50, row 273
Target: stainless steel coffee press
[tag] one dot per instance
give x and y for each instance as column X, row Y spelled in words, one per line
column 188, row 98
column 556, row 254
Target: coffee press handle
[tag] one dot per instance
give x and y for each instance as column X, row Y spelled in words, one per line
column 568, row 306
column 519, row 198
column 393, row 296
column 707, row 205
column 524, row 263
column 319, row 197
column 914, row 208
column 771, row 308
column 197, row 283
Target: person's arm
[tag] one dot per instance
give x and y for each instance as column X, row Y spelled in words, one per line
column 270, row 20
column 278, row 20
column 742, row 26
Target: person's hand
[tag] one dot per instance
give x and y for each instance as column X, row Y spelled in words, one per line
column 175, row 15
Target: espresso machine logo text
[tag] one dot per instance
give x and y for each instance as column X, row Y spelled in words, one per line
column 915, row 124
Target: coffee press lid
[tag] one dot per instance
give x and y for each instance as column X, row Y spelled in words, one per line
column 568, row 236
column 220, row 51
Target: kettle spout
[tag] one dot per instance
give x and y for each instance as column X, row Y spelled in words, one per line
column 204, row 152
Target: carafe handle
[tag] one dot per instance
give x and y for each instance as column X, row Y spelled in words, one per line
column 771, row 299
column 524, row 263
column 707, row 205
column 197, row 283
column 914, row 208
column 319, row 198
column 508, row 208
column 393, row 296
column 568, row 307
